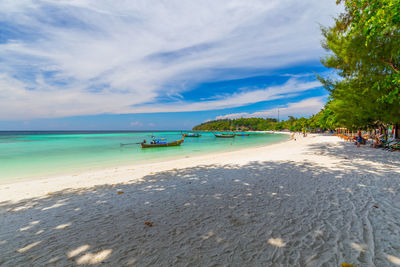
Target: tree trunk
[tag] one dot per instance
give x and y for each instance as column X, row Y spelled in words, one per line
column 396, row 131
column 385, row 133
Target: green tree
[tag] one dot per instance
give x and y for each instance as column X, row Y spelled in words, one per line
column 365, row 50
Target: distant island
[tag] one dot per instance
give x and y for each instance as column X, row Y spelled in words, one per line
column 242, row 124
column 264, row 124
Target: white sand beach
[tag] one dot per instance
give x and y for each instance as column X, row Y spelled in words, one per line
column 316, row 201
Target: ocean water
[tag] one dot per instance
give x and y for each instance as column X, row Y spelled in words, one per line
column 29, row 155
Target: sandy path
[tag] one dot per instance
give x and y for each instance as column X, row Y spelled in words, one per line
column 316, row 201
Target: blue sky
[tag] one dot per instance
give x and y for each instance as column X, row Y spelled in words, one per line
column 137, row 65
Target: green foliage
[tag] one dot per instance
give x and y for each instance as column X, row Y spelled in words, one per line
column 260, row 124
column 241, row 124
column 365, row 52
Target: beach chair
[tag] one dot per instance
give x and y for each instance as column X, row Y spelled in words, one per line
column 384, row 143
column 394, row 147
column 388, row 143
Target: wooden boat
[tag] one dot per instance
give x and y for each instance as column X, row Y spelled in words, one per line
column 224, row 135
column 161, row 143
column 241, row 134
column 191, row 135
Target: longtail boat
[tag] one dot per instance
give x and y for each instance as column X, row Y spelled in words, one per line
column 161, row 143
column 224, row 135
column 241, row 134
column 191, row 135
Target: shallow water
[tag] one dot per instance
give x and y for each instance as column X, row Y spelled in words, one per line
column 25, row 155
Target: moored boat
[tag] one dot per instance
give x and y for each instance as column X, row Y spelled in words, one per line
column 161, row 143
column 191, row 134
column 224, row 135
column 241, row 134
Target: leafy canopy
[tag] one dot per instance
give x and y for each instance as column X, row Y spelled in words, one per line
column 365, row 52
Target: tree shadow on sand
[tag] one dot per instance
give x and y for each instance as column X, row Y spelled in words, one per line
column 262, row 213
column 349, row 151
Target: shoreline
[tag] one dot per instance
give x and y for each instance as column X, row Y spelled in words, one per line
column 315, row 201
column 91, row 170
column 80, row 179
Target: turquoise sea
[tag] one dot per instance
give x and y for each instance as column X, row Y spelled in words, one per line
column 29, row 155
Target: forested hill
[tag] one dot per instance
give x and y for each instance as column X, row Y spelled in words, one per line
column 322, row 120
column 241, row 124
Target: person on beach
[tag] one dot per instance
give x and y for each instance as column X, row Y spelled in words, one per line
column 377, row 141
column 359, row 138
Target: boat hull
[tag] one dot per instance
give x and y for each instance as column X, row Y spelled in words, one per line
column 224, row 135
column 184, row 135
column 175, row 143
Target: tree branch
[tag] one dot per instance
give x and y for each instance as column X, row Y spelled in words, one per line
column 391, row 65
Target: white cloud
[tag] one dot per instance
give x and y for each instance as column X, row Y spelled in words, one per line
column 302, row 108
column 135, row 123
column 112, row 57
column 292, row 87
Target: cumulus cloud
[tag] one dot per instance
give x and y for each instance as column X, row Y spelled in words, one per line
column 66, row 58
column 302, row 108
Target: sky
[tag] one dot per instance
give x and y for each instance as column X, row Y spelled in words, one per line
column 158, row 65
